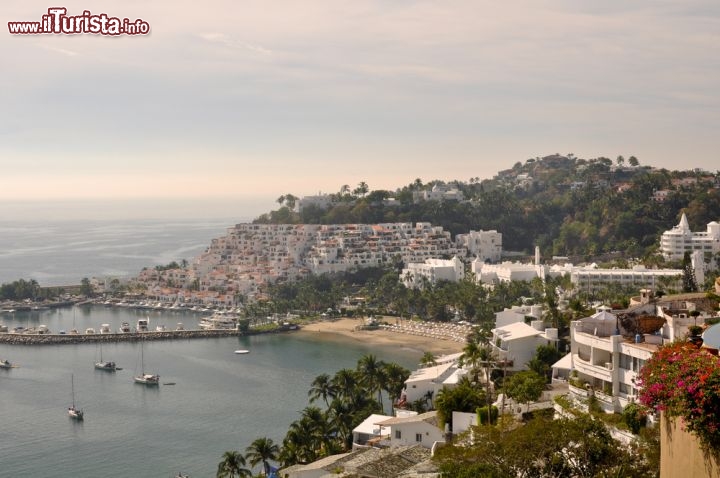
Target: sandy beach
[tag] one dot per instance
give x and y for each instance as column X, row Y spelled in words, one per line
column 346, row 328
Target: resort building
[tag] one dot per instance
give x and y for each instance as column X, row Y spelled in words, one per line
column 680, row 239
column 515, row 344
column 608, row 349
column 485, row 246
column 250, row 256
column 506, row 272
column 431, row 271
column 591, row 278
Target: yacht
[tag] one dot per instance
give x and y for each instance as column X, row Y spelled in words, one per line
column 142, row 325
column 105, row 329
column 5, row 364
column 160, row 328
column 89, row 331
column 125, row 328
column 218, row 323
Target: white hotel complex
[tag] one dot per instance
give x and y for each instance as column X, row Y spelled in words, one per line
column 251, row 256
column 680, row 239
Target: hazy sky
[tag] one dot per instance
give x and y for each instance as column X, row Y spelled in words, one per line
column 247, row 99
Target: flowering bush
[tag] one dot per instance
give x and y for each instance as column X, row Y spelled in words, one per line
column 684, row 381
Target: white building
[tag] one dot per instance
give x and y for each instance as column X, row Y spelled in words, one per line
column 432, row 270
column 429, row 381
column 322, row 201
column 515, row 344
column 438, row 193
column 518, row 313
column 680, row 239
column 591, row 278
column 506, row 272
column 605, row 358
column 486, row 246
column 365, row 434
column 420, row 429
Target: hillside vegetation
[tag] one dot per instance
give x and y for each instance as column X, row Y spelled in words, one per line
column 566, row 205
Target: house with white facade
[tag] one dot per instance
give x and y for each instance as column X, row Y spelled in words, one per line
column 429, row 381
column 368, row 432
column 515, row 344
column 439, row 192
column 485, row 246
column 606, row 357
column 423, row 429
column 518, row 313
column 680, row 239
column 432, row 271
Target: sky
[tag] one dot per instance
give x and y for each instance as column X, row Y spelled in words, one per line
column 231, row 103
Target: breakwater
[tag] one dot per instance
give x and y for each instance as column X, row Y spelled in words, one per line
column 55, row 339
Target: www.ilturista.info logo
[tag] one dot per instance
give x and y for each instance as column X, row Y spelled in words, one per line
column 58, row 22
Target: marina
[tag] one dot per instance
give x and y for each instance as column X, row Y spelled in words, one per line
column 219, row 401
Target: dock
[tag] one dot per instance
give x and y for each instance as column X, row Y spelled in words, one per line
column 55, row 339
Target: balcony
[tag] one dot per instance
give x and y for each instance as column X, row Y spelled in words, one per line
column 598, row 371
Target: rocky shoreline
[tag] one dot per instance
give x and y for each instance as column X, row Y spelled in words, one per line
column 55, row 339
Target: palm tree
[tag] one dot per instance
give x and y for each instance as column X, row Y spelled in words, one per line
column 323, row 387
column 262, row 450
column 395, row 377
column 232, row 466
column 372, row 374
column 346, row 383
column 428, row 359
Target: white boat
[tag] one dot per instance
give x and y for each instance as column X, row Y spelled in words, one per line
column 125, row 328
column 242, row 352
column 105, row 329
column 180, row 326
column 89, row 331
column 160, row 328
column 103, row 365
column 148, row 379
column 74, row 412
column 5, row 364
column 218, row 322
column 142, row 325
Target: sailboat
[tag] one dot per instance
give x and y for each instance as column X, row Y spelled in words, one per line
column 146, row 378
column 101, row 365
column 74, row 412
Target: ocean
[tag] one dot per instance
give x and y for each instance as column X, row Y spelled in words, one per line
column 63, row 252
column 220, row 401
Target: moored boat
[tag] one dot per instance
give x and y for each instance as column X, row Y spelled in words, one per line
column 125, row 328
column 74, row 412
column 148, row 379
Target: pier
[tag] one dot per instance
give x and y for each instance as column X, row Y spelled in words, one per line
column 55, row 339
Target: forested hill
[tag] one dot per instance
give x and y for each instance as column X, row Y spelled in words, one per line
column 566, row 205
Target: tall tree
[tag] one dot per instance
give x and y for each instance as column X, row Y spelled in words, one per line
column 322, row 387
column 262, row 450
column 232, row 466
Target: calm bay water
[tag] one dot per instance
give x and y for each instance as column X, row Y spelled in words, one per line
column 220, row 401
column 63, row 252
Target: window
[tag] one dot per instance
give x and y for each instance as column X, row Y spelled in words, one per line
column 418, row 437
column 398, row 434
